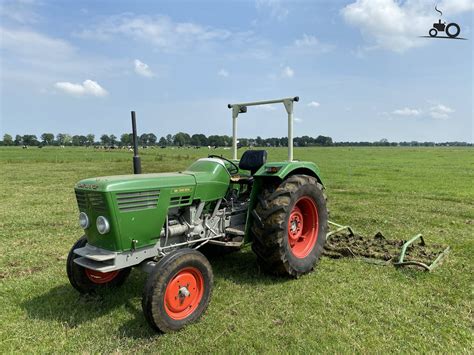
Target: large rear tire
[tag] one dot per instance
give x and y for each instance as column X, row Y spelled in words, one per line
column 290, row 226
column 88, row 281
column 178, row 290
column 457, row 30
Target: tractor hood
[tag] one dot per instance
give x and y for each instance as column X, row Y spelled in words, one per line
column 119, row 183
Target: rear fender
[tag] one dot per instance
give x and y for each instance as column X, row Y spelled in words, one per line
column 274, row 173
column 283, row 170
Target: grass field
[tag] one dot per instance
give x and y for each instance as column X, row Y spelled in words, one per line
column 344, row 306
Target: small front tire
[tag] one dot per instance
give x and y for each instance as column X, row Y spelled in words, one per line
column 88, row 281
column 178, row 290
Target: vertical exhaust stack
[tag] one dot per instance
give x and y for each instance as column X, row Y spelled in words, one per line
column 137, row 164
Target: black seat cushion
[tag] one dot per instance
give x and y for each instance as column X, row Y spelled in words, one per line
column 252, row 160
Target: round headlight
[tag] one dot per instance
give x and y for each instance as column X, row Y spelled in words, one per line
column 102, row 224
column 83, row 220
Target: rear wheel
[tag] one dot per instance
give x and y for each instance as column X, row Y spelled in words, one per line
column 88, row 281
column 178, row 290
column 290, row 231
column 453, row 33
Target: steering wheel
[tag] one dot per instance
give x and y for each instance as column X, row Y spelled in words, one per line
column 235, row 169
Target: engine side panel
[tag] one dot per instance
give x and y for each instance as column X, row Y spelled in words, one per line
column 212, row 179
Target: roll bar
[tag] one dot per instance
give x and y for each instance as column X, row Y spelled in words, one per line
column 242, row 108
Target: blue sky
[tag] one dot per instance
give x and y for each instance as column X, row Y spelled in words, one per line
column 360, row 67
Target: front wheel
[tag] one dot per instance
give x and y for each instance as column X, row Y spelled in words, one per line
column 433, row 32
column 290, row 226
column 178, row 290
column 88, row 281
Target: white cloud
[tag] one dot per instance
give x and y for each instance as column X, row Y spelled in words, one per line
column 396, row 25
column 267, row 107
column 298, row 120
column 441, row 112
column 314, row 104
column 19, row 11
column 407, row 112
column 32, row 44
column 311, row 44
column 451, row 7
column 307, row 41
column 287, row 72
column 272, row 7
column 142, row 69
column 88, row 87
column 224, row 73
column 438, row 111
column 161, row 31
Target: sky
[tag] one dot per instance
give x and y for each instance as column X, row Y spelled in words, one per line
column 360, row 68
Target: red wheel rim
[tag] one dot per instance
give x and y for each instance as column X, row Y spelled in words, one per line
column 184, row 293
column 98, row 277
column 303, row 226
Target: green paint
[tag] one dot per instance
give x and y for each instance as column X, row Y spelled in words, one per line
column 121, row 199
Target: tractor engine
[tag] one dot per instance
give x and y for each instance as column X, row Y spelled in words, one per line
column 147, row 214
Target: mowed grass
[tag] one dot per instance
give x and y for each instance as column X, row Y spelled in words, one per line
column 344, row 306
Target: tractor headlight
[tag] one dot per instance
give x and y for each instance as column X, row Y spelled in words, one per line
column 83, row 220
column 102, row 224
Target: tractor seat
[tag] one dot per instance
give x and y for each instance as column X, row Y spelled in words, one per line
column 251, row 160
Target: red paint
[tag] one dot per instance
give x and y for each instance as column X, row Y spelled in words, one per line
column 178, row 305
column 98, row 277
column 303, row 227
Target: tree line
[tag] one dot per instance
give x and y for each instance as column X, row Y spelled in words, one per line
column 182, row 139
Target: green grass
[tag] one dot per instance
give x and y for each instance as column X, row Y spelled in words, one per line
column 344, row 306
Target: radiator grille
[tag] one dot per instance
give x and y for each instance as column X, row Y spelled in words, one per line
column 135, row 201
column 90, row 200
column 180, row 200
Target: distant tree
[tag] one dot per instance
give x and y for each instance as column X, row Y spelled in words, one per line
column 243, row 142
column 64, row 139
column 322, row 140
column 30, row 139
column 47, row 138
column 215, row 140
column 75, row 141
column 151, row 139
column 7, row 139
column 163, row 142
column 113, row 139
column 198, row 140
column 82, row 140
column 104, row 139
column 79, row 140
column 143, row 139
column 90, row 139
column 18, row 140
column 181, row 139
column 259, row 141
column 169, row 139
column 126, row 139
column 226, row 141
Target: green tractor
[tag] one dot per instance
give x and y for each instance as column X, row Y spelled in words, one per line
column 159, row 222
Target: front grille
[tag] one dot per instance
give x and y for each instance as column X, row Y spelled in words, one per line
column 180, row 200
column 91, row 200
column 135, row 201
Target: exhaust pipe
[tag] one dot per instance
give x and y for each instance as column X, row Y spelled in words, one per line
column 137, row 165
